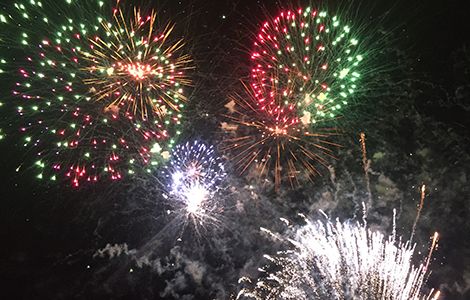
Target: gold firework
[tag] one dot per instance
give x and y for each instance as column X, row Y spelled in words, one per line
column 136, row 67
column 276, row 138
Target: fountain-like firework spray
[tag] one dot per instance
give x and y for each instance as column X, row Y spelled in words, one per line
column 334, row 260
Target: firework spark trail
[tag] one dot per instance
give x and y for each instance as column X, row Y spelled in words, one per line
column 365, row 163
column 334, row 260
column 420, row 207
column 433, row 245
column 98, row 91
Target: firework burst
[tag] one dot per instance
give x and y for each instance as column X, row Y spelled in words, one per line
column 306, row 60
column 135, row 67
column 305, row 68
column 276, row 140
column 192, row 180
column 97, row 91
column 341, row 261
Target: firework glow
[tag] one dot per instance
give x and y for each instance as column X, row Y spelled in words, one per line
column 334, row 260
column 97, row 89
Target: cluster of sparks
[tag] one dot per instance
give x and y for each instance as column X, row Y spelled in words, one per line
column 304, row 61
column 137, row 68
column 304, row 72
column 193, row 176
column 342, row 261
column 96, row 93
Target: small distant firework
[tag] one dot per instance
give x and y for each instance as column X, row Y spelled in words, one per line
column 192, row 179
column 97, row 90
column 341, row 261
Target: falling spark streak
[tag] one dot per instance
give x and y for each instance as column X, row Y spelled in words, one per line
column 420, row 207
column 366, row 171
column 334, row 260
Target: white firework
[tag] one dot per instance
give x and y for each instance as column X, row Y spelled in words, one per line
column 192, row 178
column 339, row 261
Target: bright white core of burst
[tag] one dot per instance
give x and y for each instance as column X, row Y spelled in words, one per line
column 195, row 195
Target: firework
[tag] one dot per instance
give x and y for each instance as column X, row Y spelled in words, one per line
column 277, row 140
column 97, row 90
column 334, row 260
column 136, row 68
column 192, row 180
column 307, row 60
column 305, row 69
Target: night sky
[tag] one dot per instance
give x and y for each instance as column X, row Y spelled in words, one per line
column 123, row 240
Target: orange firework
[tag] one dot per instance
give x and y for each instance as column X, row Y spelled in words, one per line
column 136, row 66
column 275, row 138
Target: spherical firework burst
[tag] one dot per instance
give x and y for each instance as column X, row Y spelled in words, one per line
column 135, row 68
column 308, row 61
column 277, row 141
column 192, row 179
column 97, row 90
column 341, row 261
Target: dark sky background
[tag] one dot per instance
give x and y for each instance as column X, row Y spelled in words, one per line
column 57, row 242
